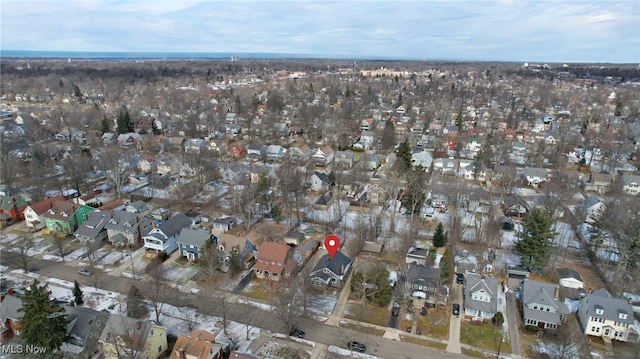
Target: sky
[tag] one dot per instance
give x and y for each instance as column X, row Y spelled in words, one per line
column 554, row 31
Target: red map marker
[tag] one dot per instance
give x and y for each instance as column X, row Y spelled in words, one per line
column 332, row 244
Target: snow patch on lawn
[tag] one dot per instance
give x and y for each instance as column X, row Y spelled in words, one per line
column 347, row 352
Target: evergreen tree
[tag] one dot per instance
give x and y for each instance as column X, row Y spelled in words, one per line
column 104, row 125
column 43, row 322
column 154, row 128
column 388, row 139
column 76, row 91
column 125, row 125
column 210, row 260
column 403, row 156
column 77, row 293
column 498, row 319
column 135, row 303
column 440, row 236
column 536, row 239
column 235, row 263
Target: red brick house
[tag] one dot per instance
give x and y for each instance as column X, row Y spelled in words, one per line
column 236, row 150
column 10, row 316
column 11, row 209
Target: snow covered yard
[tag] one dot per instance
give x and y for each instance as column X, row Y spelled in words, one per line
column 180, row 273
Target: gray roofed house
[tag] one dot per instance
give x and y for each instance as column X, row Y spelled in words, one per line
column 93, row 229
column 421, row 279
column 345, row 159
column 480, row 297
column 126, row 228
column 570, row 278
column 515, row 206
column 305, row 250
column 191, row 243
column 330, row 271
column 535, row 176
column 630, row 184
column 540, row 304
column 416, row 255
column 319, row 181
column 164, row 238
column 84, row 327
column 591, row 208
column 10, row 316
column 602, row 315
column 136, row 207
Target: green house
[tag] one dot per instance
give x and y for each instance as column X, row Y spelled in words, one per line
column 66, row 217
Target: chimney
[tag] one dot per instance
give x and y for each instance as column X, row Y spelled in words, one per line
column 10, row 291
column 182, row 353
column 138, row 325
column 90, row 321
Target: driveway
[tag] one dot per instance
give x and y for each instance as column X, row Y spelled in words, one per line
column 453, row 346
column 243, row 283
column 512, row 318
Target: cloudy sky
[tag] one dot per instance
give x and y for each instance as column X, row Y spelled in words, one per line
column 503, row 30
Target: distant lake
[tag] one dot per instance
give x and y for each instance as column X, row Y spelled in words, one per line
column 96, row 55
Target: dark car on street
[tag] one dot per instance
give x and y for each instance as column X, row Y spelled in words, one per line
column 395, row 311
column 456, row 309
column 357, row 346
column 459, row 278
column 295, row 332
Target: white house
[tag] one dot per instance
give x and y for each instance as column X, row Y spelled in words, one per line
column 535, row 176
column 319, row 181
column 275, row 152
column 480, row 297
column 570, row 278
column 323, row 155
column 602, row 315
column 630, row 184
column 422, row 159
column 33, row 213
column 164, row 238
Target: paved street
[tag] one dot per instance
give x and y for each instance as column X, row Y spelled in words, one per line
column 242, row 313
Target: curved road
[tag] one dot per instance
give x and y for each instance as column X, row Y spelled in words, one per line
column 242, row 313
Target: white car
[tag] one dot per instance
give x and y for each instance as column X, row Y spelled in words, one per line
column 84, row 271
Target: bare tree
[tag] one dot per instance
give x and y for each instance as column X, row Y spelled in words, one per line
column 155, row 290
column 286, row 306
column 91, row 255
column 23, row 245
column 189, row 317
column 110, row 163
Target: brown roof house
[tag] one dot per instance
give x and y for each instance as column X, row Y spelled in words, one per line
column 199, row 344
column 33, row 213
column 273, row 261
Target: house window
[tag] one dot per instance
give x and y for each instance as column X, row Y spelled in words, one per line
column 160, row 349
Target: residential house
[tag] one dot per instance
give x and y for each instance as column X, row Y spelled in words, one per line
column 66, row 217
column 234, row 173
column 272, row 261
column 11, row 210
column 515, row 206
column 630, row 184
column 229, row 244
column 127, row 337
column 469, row 169
column 237, row 355
column 195, row 146
column 446, row 166
column 275, row 153
column 236, row 150
column 93, row 229
column 540, row 304
column 479, row 201
column 599, row 182
column 591, row 208
column 323, row 156
column 370, row 160
column 465, row 263
column 164, row 237
column 300, row 151
column 256, row 152
column 570, row 278
column 224, row 223
column 535, row 176
column 345, row 159
column 10, row 316
column 199, row 344
column 126, row 228
column 367, row 138
column 519, row 148
column 480, row 297
column 330, row 271
column 376, row 195
column 602, row 315
column 177, row 142
column 319, row 181
column 84, row 327
column 366, row 124
column 422, row 159
column 191, row 243
column 421, row 282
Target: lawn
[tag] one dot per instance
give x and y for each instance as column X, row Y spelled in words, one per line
column 435, row 324
column 484, row 336
column 371, row 313
column 424, row 342
column 258, row 290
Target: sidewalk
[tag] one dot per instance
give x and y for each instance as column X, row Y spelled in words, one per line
column 126, row 263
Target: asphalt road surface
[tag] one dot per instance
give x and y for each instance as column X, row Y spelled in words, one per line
column 243, row 313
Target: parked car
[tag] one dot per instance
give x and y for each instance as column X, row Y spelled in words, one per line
column 295, row 332
column 456, row 309
column 357, row 346
column 84, row 271
column 395, row 311
column 459, row 278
